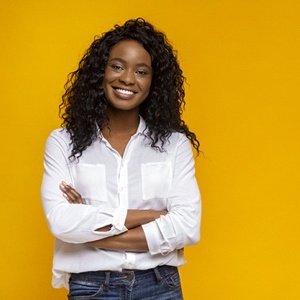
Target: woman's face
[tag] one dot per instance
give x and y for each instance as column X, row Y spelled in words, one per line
column 128, row 75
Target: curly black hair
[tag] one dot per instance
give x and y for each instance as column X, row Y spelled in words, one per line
column 84, row 106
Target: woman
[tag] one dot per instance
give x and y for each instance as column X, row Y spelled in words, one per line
column 126, row 156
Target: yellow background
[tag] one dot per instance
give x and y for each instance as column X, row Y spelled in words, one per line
column 241, row 59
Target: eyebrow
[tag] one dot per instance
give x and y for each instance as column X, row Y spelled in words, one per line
column 124, row 61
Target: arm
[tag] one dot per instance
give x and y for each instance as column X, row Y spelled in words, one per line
column 132, row 240
column 181, row 226
column 174, row 230
column 73, row 223
column 168, row 231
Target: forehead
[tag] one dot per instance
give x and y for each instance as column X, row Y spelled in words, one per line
column 130, row 50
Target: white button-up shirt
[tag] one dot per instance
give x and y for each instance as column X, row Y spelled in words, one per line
column 144, row 178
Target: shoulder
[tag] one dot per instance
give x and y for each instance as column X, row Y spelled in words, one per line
column 178, row 136
column 175, row 142
column 59, row 137
column 60, row 134
column 176, row 139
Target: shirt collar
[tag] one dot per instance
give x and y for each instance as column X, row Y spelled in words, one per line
column 140, row 130
column 142, row 126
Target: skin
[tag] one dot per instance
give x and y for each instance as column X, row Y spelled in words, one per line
column 126, row 84
column 128, row 75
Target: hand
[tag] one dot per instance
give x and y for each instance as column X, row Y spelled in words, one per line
column 70, row 194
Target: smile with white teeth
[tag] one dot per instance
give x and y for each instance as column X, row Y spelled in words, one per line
column 127, row 92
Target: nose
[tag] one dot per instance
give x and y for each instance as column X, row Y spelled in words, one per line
column 127, row 77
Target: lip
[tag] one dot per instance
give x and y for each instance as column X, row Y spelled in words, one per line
column 123, row 93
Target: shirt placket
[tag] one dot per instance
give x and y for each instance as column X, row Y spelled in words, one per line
column 129, row 257
column 123, row 184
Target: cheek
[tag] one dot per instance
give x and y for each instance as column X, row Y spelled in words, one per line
column 147, row 86
column 109, row 76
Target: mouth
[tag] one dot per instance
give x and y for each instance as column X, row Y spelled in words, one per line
column 124, row 91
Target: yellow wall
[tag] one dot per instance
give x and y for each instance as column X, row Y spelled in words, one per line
column 242, row 62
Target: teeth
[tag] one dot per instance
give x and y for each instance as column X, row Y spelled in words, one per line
column 125, row 91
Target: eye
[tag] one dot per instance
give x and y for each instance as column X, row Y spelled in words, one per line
column 117, row 67
column 141, row 72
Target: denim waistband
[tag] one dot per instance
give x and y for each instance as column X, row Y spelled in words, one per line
column 95, row 276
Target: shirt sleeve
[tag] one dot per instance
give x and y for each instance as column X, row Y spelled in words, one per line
column 73, row 223
column 181, row 226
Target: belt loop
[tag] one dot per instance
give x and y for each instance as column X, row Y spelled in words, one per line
column 106, row 283
column 159, row 278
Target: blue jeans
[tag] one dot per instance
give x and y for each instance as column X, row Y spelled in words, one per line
column 160, row 283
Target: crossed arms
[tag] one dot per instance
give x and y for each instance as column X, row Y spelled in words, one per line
column 159, row 230
column 132, row 240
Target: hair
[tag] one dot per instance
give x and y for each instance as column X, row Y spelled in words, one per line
column 84, row 106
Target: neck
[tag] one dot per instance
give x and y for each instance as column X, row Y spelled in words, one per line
column 121, row 122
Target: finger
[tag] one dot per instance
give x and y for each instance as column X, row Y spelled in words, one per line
column 68, row 199
column 71, row 193
column 67, row 192
column 76, row 197
column 62, row 187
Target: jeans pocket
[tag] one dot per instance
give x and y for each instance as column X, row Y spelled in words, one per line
column 172, row 280
column 82, row 290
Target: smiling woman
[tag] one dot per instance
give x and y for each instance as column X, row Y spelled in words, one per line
column 128, row 75
column 119, row 188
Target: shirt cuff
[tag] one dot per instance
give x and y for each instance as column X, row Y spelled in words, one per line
column 155, row 241
column 119, row 219
column 116, row 220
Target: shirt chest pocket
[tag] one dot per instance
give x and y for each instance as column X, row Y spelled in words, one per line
column 90, row 182
column 156, row 180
